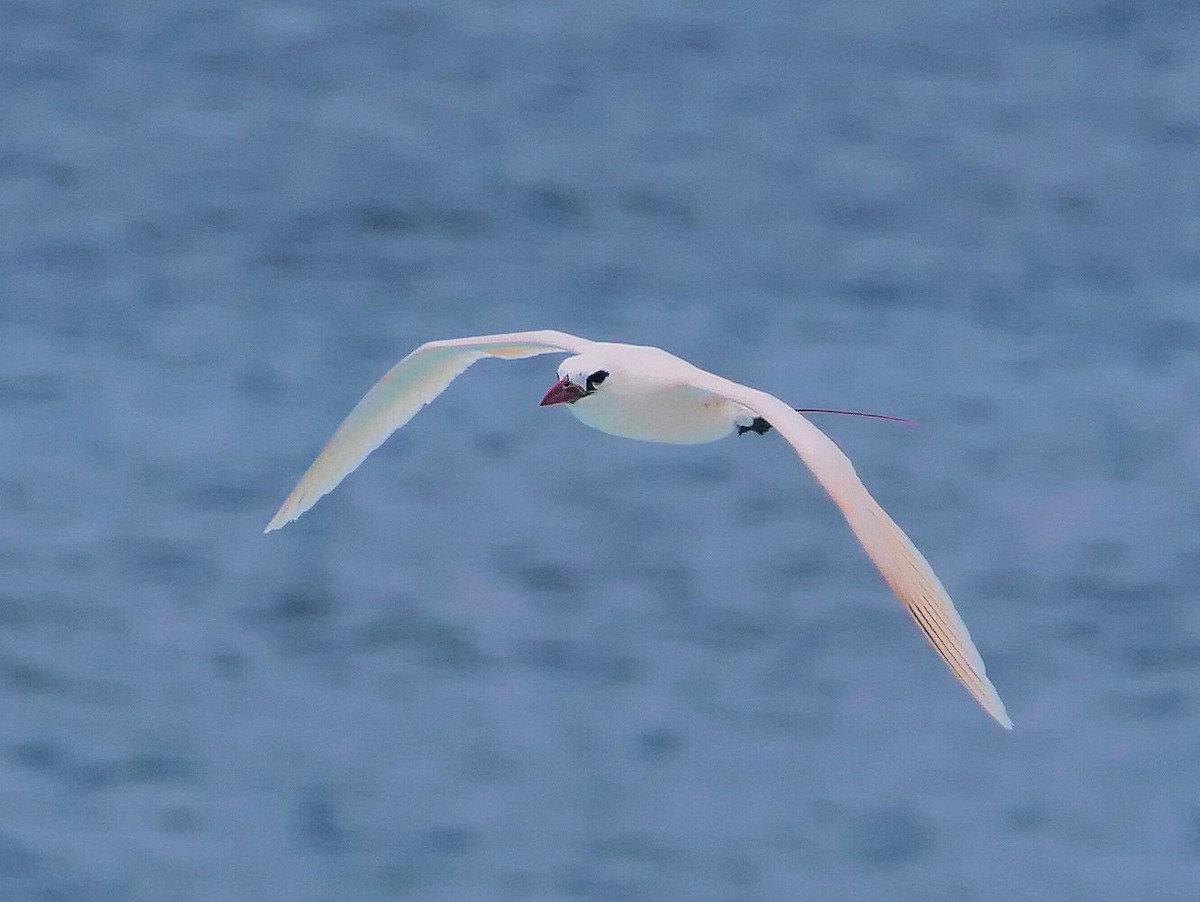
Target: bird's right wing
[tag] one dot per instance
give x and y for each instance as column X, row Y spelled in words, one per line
column 902, row 566
column 395, row 399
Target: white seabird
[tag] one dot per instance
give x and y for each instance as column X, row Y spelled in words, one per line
column 646, row 393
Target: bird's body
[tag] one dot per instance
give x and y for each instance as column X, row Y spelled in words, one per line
column 646, row 400
column 646, row 393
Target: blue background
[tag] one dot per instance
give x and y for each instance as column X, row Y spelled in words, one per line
column 512, row 658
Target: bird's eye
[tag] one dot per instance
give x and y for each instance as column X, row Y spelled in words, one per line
column 596, row 378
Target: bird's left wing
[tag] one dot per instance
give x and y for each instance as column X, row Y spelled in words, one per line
column 395, row 399
column 902, row 566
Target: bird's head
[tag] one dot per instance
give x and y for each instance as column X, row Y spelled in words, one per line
column 578, row 377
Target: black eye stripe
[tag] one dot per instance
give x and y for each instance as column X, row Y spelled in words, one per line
column 596, row 378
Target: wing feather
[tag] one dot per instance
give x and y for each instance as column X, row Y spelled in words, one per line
column 395, row 399
column 902, row 566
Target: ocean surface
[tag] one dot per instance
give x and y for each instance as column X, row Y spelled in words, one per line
column 515, row 659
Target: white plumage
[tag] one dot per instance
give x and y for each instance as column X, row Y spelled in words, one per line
column 646, row 393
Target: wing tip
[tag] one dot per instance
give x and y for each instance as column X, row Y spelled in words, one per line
column 989, row 699
column 291, row 509
column 279, row 521
column 1000, row 713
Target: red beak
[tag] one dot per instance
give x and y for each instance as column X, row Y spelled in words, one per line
column 564, row 391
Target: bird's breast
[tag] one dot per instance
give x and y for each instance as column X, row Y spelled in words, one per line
column 679, row 415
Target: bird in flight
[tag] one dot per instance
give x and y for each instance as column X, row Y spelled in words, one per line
column 646, row 393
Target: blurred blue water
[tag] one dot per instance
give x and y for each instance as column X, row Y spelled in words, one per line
column 512, row 658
